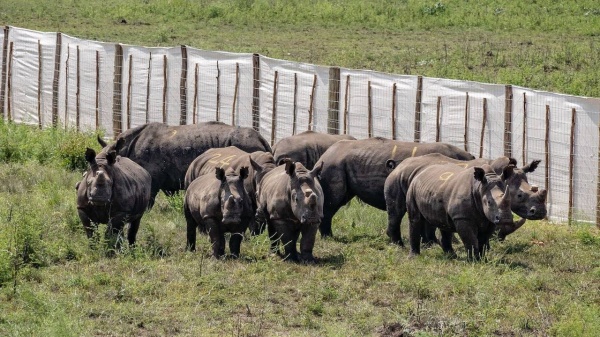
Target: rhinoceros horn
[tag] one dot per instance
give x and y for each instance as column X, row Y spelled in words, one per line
column 505, row 198
column 510, row 229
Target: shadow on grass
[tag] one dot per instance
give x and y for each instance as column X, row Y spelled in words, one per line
column 334, row 261
column 354, row 238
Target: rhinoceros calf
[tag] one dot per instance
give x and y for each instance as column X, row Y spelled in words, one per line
column 306, row 147
column 470, row 202
column 217, row 204
column 290, row 199
column 527, row 201
column 258, row 163
column 114, row 191
column 167, row 151
column 357, row 168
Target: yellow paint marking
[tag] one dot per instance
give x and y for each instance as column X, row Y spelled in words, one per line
column 463, row 165
column 173, row 133
column 394, row 151
column 445, row 176
column 213, row 160
column 414, row 151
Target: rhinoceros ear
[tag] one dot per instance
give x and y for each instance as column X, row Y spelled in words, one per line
column 90, row 156
column 316, row 171
column 532, row 166
column 282, row 161
column 119, row 144
column 220, row 173
column 101, row 142
column 479, row 174
column 390, row 164
column 244, row 172
column 512, row 161
column 290, row 167
column 111, row 157
column 507, row 172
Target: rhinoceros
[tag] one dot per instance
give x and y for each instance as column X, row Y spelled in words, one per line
column 357, row 168
column 290, row 200
column 527, row 201
column 217, row 204
column 471, row 202
column 167, row 151
column 258, row 162
column 114, row 191
column 306, row 147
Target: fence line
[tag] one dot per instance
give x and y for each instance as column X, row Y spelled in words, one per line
column 113, row 87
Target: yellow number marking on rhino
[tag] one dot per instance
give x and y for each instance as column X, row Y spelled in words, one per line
column 394, row 151
column 221, row 162
column 173, row 133
column 463, row 165
column 445, row 176
column 413, row 151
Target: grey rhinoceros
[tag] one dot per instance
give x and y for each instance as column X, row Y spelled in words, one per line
column 257, row 162
column 114, row 191
column 217, row 204
column 357, row 168
column 472, row 202
column 527, row 201
column 290, row 200
column 306, row 147
column 167, row 151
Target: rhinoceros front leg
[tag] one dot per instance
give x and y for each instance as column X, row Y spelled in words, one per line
column 134, row 226
column 417, row 222
column 469, row 236
column 395, row 214
column 87, row 224
column 191, row 230
column 289, row 238
column 217, row 237
column 114, row 231
column 446, row 243
column 234, row 244
column 274, row 237
column 307, row 243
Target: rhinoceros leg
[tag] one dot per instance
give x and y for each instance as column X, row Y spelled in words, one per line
column 467, row 234
column 447, row 243
column 307, row 243
column 274, row 237
column 191, row 229
column 415, row 228
column 289, row 238
column 87, row 224
column 134, row 225
column 234, row 244
column 114, row 230
column 396, row 212
column 217, row 237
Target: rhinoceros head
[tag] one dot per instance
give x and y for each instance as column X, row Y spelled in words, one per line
column 100, row 176
column 232, row 194
column 305, row 192
column 527, row 201
column 495, row 197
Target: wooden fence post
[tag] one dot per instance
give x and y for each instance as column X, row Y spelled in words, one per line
column 295, row 109
column 437, row 118
column 195, row 112
column 466, row 136
column 346, row 127
column 274, row 115
column 547, row 147
column 129, row 83
column 55, row 80
column 369, row 110
column 9, row 84
column 165, row 86
column 235, row 92
column 183, row 87
column 67, row 86
column 218, row 112
column 148, row 78
column 483, row 127
column 97, row 90
column 312, row 102
column 418, row 109
column 4, row 72
column 524, row 128
column 78, row 93
column 394, row 94
column 333, row 111
column 256, row 91
column 117, row 92
column 571, row 162
column 508, row 99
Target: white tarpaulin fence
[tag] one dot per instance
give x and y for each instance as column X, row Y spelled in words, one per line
column 54, row 79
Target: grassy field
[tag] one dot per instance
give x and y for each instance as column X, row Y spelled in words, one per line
column 543, row 280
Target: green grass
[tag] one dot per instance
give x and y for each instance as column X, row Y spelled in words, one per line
column 542, row 281
column 544, row 44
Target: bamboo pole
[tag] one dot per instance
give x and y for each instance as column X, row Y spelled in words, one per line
column 274, row 114
column 333, row 111
column 483, row 127
column 39, row 91
column 394, row 94
column 78, row 93
column 148, row 88
column 369, row 110
column 508, row 99
column 312, row 101
column 571, row 162
column 118, row 92
column 97, row 90
column 183, row 87
column 346, row 98
column 295, row 122
column 437, row 119
column 129, row 81
column 235, row 92
column 418, row 109
column 256, row 92
column 466, row 136
column 165, row 85
column 195, row 113
column 55, row 80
